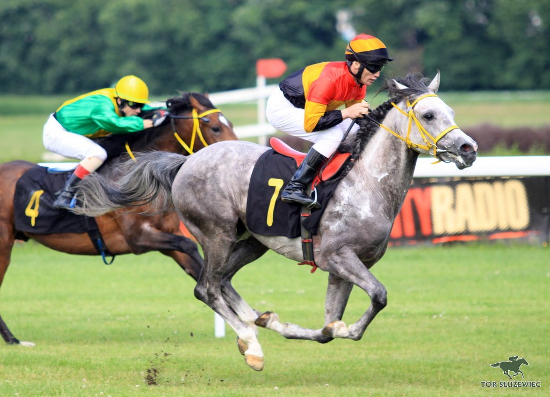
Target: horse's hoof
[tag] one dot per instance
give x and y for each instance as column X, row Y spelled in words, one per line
column 242, row 346
column 266, row 319
column 336, row 329
column 254, row 362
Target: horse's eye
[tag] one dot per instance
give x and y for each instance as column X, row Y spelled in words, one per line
column 216, row 130
column 429, row 116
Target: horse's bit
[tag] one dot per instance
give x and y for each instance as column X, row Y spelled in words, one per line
column 196, row 128
column 429, row 140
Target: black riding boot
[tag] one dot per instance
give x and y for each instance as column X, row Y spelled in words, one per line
column 64, row 198
column 295, row 191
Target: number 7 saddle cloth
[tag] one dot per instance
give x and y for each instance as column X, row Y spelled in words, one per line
column 266, row 214
column 34, row 195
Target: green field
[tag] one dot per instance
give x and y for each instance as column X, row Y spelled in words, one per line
column 22, row 118
column 452, row 311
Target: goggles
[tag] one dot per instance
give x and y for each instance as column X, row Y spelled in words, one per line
column 373, row 68
column 133, row 105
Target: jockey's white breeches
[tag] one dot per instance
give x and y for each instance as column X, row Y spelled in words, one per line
column 285, row 117
column 58, row 140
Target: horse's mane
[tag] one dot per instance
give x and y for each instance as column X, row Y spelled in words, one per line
column 416, row 84
column 182, row 103
column 139, row 141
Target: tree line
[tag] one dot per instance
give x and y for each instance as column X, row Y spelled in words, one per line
column 73, row 46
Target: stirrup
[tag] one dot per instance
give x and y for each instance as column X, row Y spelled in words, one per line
column 315, row 204
column 64, row 202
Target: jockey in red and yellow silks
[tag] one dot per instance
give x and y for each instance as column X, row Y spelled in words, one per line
column 101, row 112
column 307, row 106
column 321, row 89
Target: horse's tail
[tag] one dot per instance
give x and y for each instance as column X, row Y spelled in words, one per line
column 146, row 180
column 495, row 365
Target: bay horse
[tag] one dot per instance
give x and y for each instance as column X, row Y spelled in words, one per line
column 193, row 123
column 210, row 190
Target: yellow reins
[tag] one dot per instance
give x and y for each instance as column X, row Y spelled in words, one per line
column 429, row 140
column 196, row 132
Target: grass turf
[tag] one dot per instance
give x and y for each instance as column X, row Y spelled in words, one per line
column 135, row 328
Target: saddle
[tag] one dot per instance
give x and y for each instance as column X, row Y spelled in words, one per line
column 34, row 213
column 266, row 214
column 334, row 165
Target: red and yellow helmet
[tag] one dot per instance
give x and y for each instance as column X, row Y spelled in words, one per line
column 132, row 88
column 367, row 49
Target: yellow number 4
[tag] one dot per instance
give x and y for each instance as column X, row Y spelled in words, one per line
column 32, row 209
column 277, row 184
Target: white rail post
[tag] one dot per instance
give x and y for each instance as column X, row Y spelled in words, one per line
column 219, row 326
column 260, row 85
column 266, row 68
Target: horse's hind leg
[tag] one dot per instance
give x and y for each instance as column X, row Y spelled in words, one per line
column 245, row 252
column 6, row 334
column 209, row 290
column 7, row 240
column 338, row 292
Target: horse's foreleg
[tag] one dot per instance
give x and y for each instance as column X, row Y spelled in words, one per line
column 519, row 370
column 350, row 268
column 187, row 263
column 338, row 291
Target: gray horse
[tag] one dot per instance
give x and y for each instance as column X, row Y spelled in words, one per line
column 209, row 191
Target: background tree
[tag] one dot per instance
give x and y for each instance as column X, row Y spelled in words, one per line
column 73, row 46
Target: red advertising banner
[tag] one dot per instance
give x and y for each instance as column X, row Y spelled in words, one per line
column 442, row 210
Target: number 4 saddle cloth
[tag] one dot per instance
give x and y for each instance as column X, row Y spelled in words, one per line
column 266, row 214
column 35, row 193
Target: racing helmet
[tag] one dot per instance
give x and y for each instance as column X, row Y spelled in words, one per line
column 367, row 49
column 132, row 88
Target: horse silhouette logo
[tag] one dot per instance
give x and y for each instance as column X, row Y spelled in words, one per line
column 512, row 365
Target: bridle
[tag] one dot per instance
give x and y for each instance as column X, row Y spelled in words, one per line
column 196, row 128
column 429, row 140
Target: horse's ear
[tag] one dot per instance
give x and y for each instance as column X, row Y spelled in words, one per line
column 195, row 102
column 434, row 84
column 396, row 86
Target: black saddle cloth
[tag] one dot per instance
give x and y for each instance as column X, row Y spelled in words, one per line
column 282, row 219
column 34, row 195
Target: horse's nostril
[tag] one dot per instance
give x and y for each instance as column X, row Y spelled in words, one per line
column 467, row 148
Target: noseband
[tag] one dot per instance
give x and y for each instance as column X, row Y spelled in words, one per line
column 429, row 140
column 196, row 128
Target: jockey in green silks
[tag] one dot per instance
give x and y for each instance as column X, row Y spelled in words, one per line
column 106, row 111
